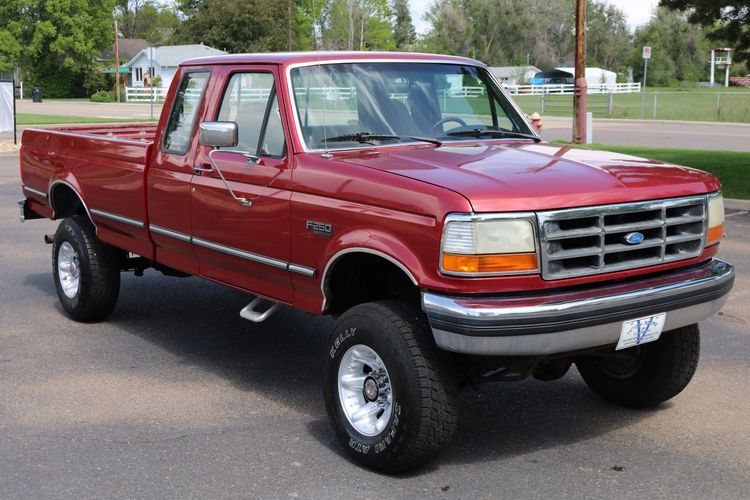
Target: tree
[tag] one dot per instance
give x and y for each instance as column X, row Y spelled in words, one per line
column 404, row 34
column 608, row 39
column 678, row 49
column 514, row 32
column 247, row 25
column 56, row 40
column 234, row 25
column 730, row 20
column 356, row 25
column 503, row 32
column 146, row 19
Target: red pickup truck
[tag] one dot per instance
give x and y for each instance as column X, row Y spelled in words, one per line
column 408, row 196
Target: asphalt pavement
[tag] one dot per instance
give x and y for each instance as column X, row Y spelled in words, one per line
column 89, row 109
column 176, row 396
column 657, row 134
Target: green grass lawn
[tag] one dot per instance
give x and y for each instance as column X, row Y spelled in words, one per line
column 689, row 105
column 731, row 167
column 35, row 119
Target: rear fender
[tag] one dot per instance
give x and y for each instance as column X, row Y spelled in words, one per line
column 67, row 181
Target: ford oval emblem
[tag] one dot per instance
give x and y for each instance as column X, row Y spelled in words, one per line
column 634, row 238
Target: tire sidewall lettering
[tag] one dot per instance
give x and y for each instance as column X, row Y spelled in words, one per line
column 387, row 436
column 338, row 341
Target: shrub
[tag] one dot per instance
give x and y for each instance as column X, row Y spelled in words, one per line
column 102, row 96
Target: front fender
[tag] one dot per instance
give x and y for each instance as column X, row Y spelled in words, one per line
column 375, row 242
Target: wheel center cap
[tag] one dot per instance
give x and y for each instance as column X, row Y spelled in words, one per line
column 370, row 389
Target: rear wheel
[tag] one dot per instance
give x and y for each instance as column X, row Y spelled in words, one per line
column 646, row 375
column 86, row 271
column 388, row 389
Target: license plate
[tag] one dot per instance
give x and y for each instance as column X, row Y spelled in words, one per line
column 641, row 330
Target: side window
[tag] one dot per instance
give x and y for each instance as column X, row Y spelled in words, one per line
column 184, row 112
column 250, row 101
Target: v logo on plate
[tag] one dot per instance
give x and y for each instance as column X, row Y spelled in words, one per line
column 642, row 332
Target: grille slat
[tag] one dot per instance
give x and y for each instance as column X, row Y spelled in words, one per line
column 624, row 228
column 587, row 241
column 571, row 254
column 615, row 248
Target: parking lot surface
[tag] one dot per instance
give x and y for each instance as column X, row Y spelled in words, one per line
column 177, row 396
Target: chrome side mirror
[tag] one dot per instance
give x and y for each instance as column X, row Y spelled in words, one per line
column 218, row 134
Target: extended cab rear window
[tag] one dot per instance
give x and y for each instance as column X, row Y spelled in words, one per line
column 184, row 112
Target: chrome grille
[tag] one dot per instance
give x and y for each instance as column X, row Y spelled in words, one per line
column 586, row 241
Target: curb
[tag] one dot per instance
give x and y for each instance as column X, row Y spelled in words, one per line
column 734, row 204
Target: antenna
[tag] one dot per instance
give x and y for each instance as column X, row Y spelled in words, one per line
column 326, row 153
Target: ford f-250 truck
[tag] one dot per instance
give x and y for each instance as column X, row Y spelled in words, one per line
column 408, row 196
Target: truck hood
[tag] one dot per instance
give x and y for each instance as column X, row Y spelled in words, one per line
column 503, row 177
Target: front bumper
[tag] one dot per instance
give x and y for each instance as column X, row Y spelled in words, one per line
column 560, row 322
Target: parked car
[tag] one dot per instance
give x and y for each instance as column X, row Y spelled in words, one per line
column 451, row 243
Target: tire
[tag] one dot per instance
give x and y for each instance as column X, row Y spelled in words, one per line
column 417, row 391
column 655, row 372
column 88, row 289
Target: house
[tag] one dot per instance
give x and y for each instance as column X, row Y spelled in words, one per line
column 594, row 77
column 163, row 61
column 514, row 75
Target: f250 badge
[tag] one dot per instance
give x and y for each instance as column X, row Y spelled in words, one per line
column 320, row 228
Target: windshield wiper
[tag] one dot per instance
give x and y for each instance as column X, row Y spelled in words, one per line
column 366, row 137
column 495, row 133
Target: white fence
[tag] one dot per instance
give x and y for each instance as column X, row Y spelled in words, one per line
column 569, row 88
column 145, row 94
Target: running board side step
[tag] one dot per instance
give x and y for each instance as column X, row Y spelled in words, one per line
column 259, row 310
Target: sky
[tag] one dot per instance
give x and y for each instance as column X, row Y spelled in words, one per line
column 637, row 11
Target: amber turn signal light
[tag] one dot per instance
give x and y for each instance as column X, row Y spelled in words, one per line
column 489, row 263
column 714, row 234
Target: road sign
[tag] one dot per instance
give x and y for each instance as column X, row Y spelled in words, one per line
column 647, row 52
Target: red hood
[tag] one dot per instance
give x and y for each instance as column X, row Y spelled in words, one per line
column 519, row 177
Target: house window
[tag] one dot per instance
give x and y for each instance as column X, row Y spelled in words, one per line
column 139, row 74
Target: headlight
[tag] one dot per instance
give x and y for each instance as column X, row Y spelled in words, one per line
column 715, row 218
column 488, row 245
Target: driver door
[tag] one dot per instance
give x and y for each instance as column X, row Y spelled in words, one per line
column 246, row 246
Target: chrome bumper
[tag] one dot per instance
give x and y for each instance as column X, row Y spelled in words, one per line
column 527, row 325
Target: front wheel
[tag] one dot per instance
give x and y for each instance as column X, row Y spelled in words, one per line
column 388, row 389
column 644, row 376
column 85, row 270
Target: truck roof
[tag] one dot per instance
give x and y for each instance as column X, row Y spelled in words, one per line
column 289, row 58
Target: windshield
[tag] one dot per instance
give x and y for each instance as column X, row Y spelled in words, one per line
column 401, row 99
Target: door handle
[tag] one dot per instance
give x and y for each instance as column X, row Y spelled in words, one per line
column 203, row 169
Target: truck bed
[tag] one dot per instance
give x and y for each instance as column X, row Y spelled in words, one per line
column 104, row 165
column 136, row 132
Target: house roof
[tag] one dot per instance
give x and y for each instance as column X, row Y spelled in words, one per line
column 129, row 48
column 173, row 55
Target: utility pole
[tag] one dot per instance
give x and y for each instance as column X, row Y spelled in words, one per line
column 117, row 63
column 580, row 94
column 289, row 35
column 350, row 46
